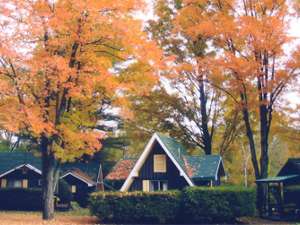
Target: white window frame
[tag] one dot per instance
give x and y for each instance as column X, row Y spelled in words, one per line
column 161, row 184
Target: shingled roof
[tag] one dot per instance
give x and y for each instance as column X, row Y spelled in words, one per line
column 11, row 160
column 121, row 170
column 204, row 167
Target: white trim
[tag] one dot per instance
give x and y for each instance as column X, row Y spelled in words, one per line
column 20, row 166
column 143, row 158
column 220, row 161
column 182, row 172
column 137, row 165
column 79, row 178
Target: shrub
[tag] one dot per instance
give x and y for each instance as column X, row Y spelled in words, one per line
column 218, row 204
column 20, row 199
column 135, row 207
column 192, row 205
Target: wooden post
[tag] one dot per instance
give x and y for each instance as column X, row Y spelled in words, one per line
column 281, row 206
column 267, row 204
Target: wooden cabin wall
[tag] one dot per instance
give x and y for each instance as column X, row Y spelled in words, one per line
column 82, row 189
column 175, row 181
column 21, row 174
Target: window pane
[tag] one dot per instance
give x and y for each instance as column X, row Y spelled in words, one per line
column 15, row 183
column 165, row 185
column 158, row 185
column 147, row 185
column 73, row 189
column 159, row 163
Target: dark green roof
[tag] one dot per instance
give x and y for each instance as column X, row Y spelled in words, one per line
column 277, row 179
column 175, row 148
column 203, row 167
column 206, row 166
column 10, row 160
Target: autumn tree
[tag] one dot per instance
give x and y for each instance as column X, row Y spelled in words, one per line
column 196, row 108
column 57, row 67
column 252, row 64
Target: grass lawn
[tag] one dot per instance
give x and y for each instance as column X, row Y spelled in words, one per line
column 82, row 217
column 61, row 218
column 257, row 220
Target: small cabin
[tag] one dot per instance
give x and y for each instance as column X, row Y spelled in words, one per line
column 165, row 164
column 24, row 170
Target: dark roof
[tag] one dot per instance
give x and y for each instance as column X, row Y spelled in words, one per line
column 196, row 167
column 277, row 179
column 11, row 160
column 90, row 169
column 204, row 167
column 175, row 148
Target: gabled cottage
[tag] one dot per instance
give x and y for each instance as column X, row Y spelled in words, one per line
column 24, row 170
column 164, row 164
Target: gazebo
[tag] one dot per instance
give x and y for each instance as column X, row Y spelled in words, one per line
column 276, row 202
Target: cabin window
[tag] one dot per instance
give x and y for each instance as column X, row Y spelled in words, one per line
column 73, row 189
column 146, row 185
column 3, row 183
column 40, row 182
column 160, row 165
column 14, row 183
column 25, row 183
column 158, row 185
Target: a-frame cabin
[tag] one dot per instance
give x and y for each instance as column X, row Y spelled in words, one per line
column 163, row 165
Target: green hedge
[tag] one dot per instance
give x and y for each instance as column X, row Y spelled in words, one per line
column 219, row 204
column 136, row 207
column 20, row 199
column 192, row 205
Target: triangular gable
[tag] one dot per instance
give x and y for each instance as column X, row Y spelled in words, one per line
column 80, row 177
column 19, row 167
column 140, row 162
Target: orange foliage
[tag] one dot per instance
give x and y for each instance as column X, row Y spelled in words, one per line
column 56, row 59
column 250, row 37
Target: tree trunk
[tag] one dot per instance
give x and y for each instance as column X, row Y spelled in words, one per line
column 264, row 136
column 264, row 158
column 250, row 137
column 48, row 173
column 261, row 189
column 207, row 139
